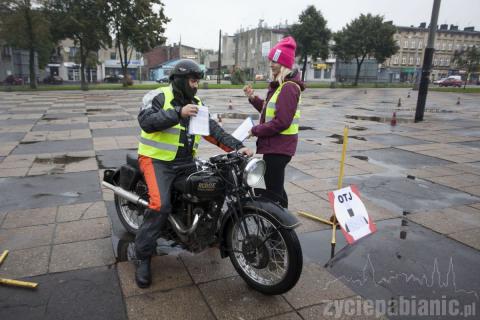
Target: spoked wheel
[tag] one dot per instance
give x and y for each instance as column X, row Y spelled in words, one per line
column 268, row 258
column 130, row 215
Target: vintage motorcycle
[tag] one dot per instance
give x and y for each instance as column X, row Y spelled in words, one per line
column 214, row 204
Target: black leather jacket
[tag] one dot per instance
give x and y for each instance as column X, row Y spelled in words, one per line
column 153, row 117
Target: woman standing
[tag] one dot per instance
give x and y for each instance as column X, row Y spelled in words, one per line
column 278, row 129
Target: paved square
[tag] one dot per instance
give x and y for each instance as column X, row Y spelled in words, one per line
column 62, row 230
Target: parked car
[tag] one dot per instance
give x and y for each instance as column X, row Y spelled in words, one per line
column 113, row 78
column 439, row 80
column 53, row 80
column 162, row 80
column 13, row 80
column 452, row 81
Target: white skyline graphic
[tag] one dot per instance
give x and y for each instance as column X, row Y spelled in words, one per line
column 429, row 281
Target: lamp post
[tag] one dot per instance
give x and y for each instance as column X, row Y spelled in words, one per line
column 427, row 63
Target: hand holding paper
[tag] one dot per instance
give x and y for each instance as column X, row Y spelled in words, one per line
column 200, row 124
column 243, row 131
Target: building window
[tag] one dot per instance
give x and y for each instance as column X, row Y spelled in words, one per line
column 73, row 52
column 405, row 44
column 317, row 74
column 443, row 45
column 404, row 60
column 411, row 61
column 395, row 60
column 450, row 46
column 418, row 61
column 447, row 61
column 458, row 46
column 113, row 56
column 420, row 44
column 412, row 44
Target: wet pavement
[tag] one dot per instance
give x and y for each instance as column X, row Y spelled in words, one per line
column 419, row 182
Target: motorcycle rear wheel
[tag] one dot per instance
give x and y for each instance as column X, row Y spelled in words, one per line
column 270, row 258
column 130, row 215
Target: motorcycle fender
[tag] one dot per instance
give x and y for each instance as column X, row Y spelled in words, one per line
column 282, row 216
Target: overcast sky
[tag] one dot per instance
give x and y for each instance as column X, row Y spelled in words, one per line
column 198, row 21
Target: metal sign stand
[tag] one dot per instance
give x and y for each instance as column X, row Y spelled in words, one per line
column 333, row 221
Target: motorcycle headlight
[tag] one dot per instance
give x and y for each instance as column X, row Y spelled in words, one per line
column 254, row 171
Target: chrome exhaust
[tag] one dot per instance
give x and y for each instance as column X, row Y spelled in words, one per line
column 181, row 228
column 132, row 197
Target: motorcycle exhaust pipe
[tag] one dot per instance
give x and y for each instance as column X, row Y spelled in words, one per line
column 132, row 197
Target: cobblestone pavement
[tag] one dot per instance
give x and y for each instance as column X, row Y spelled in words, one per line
column 419, row 181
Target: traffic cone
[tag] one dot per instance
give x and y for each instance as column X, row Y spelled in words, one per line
column 458, row 100
column 393, row 122
column 399, row 104
column 408, row 96
column 365, row 92
column 230, row 107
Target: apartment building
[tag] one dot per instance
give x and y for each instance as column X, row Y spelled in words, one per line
column 406, row 64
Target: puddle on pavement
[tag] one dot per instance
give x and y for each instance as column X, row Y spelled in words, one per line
column 362, row 108
column 95, row 111
column 364, row 158
column 340, row 138
column 378, row 119
column 337, row 105
column 62, row 160
column 236, row 115
column 29, row 142
column 358, row 128
column 301, row 128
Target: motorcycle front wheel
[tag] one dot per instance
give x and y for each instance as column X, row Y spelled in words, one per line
column 267, row 256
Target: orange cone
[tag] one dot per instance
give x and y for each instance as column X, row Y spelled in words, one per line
column 230, row 107
column 393, row 122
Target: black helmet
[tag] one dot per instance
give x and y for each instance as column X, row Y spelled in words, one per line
column 186, row 68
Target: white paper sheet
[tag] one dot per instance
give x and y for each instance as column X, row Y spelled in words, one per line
column 200, row 123
column 241, row 133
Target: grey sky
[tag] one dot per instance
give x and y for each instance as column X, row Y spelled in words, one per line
column 198, row 21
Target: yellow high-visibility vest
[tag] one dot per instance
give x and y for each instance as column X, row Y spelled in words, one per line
column 163, row 145
column 272, row 109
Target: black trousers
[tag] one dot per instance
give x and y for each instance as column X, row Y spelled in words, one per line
column 159, row 177
column 275, row 176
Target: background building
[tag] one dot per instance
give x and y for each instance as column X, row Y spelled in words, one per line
column 15, row 62
column 248, row 49
column 406, row 64
column 162, row 57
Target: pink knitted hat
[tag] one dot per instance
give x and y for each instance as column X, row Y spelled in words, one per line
column 284, row 52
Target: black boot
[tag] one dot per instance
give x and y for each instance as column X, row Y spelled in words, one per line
column 143, row 273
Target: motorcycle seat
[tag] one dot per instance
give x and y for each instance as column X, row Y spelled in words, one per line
column 132, row 160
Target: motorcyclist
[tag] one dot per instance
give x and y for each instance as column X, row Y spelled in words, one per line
column 164, row 146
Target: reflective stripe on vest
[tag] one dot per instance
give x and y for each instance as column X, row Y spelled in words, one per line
column 272, row 109
column 163, row 145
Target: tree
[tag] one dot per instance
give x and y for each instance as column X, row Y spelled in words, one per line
column 366, row 36
column 24, row 26
column 311, row 35
column 85, row 22
column 467, row 59
column 135, row 24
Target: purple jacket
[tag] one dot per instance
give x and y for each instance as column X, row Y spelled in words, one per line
column 270, row 141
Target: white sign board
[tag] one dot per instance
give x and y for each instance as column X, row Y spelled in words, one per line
column 351, row 213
